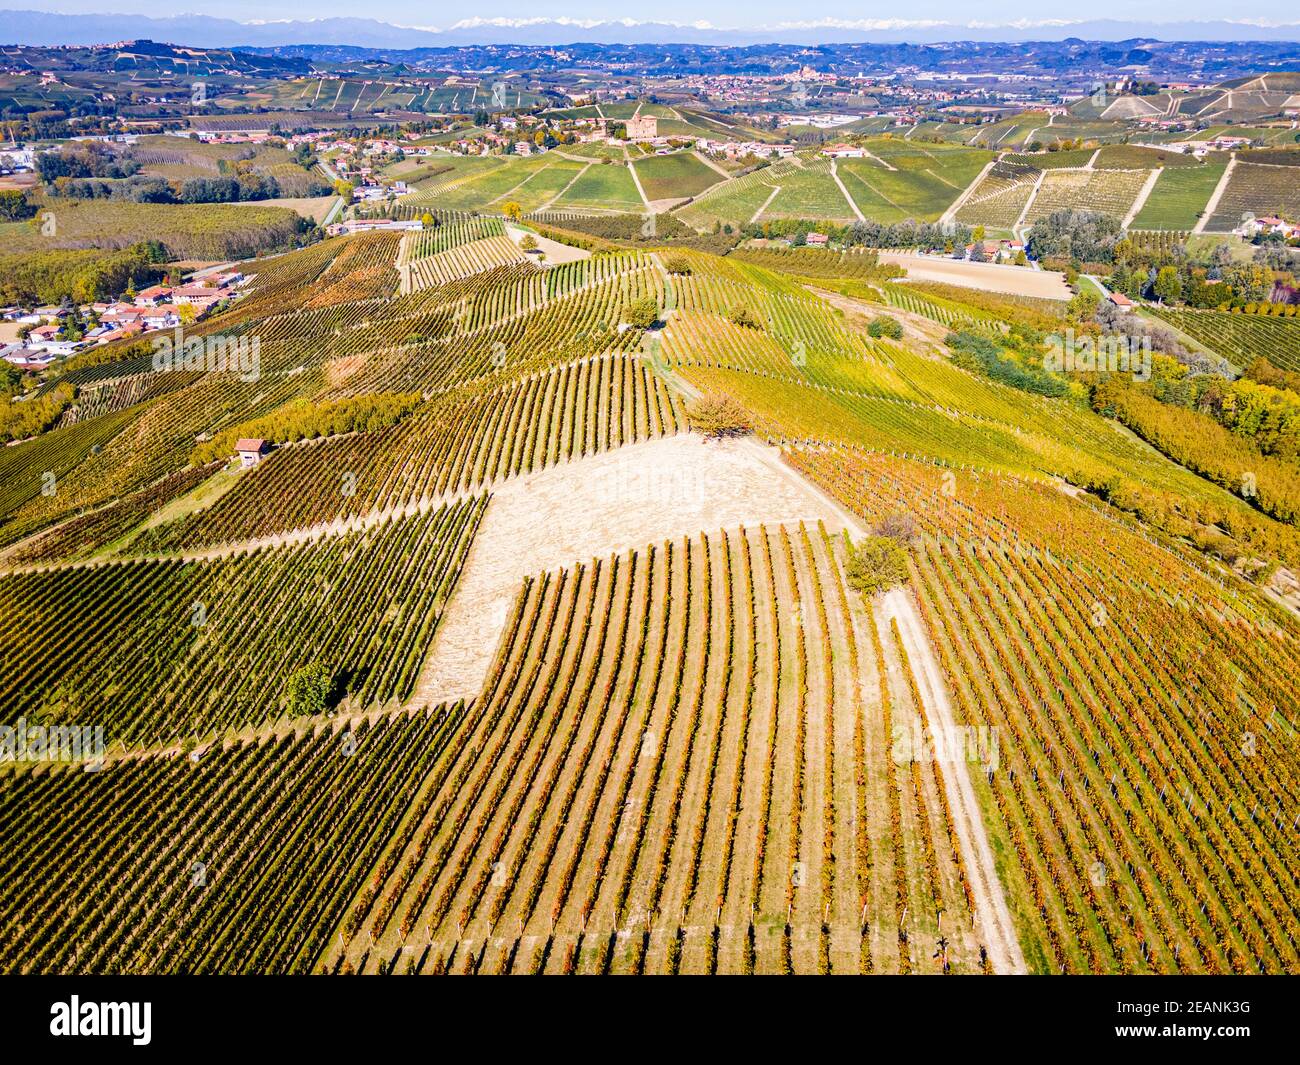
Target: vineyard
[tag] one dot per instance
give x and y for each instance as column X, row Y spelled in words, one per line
column 1111, row 192
column 424, row 269
column 713, row 745
column 1255, row 189
column 193, row 647
column 671, row 771
column 212, row 232
column 1145, row 842
column 913, row 182
column 675, row 176
column 575, row 410
column 738, row 200
column 810, row 193
column 1000, row 198
column 1179, row 197
column 449, row 234
column 163, row 885
column 1240, row 338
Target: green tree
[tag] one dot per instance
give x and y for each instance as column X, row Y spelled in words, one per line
column 884, row 325
column 876, row 564
column 742, row 315
column 642, row 312
column 718, row 416
column 1168, row 286
column 309, row 689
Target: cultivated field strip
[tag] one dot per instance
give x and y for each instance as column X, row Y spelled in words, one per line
column 1240, row 338
column 678, row 764
column 158, row 650
column 421, row 243
column 238, row 861
column 138, row 446
column 1148, row 798
column 474, row 257
column 566, row 413
column 1112, row 192
column 99, row 528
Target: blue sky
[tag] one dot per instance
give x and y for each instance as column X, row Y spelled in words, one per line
column 767, row 13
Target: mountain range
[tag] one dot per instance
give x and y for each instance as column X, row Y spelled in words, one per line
column 46, row 28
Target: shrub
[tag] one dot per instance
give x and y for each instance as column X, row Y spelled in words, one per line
column 642, row 312
column 677, row 264
column 876, row 564
column 740, row 314
column 884, row 325
column 718, row 416
column 898, row 526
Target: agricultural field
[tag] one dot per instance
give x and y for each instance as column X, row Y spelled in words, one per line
column 740, row 198
column 486, row 186
column 1111, row 192
column 674, row 177
column 605, row 187
column 1140, row 157
column 1179, row 197
column 1045, row 160
column 495, row 662
column 1240, row 338
column 206, row 232
column 916, row 181
column 810, row 192
column 1256, row 189
column 1000, row 198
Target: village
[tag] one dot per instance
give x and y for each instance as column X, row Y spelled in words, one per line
column 47, row 334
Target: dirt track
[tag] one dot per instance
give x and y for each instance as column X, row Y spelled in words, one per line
column 992, row 916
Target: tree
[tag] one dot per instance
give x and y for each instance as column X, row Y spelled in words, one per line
column 740, row 314
column 1169, row 285
column 718, row 416
column 512, row 210
column 875, row 564
column 884, row 325
column 529, row 243
column 14, row 206
column 344, row 189
column 427, row 220
column 642, row 312
column 1083, row 305
column 309, row 689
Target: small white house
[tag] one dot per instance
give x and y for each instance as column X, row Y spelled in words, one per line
column 250, row 451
